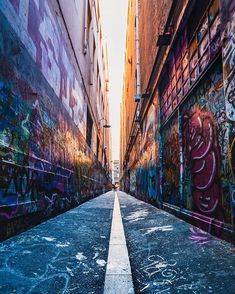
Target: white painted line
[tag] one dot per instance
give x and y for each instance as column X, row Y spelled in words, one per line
column 118, row 278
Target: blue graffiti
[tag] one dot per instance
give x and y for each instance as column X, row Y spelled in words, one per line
column 147, row 181
column 152, row 181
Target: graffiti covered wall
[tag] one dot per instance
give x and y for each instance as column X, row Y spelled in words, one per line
column 45, row 163
column 228, row 56
column 186, row 161
column 206, row 172
column 171, row 162
column 145, row 166
column 42, row 33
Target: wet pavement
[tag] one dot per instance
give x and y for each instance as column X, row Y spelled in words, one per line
column 168, row 255
column 69, row 253
column 66, row 254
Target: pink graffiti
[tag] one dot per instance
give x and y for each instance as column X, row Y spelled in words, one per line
column 202, row 155
column 52, row 55
column 199, row 236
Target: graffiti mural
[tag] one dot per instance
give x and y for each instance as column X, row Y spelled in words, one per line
column 202, row 158
column 205, row 133
column 228, row 37
column 37, row 26
column 29, row 179
column 153, row 180
column 45, row 164
column 171, row 162
column 228, row 57
column 142, row 182
column 187, row 156
column 149, row 135
column 147, row 169
column 147, row 181
column 133, row 181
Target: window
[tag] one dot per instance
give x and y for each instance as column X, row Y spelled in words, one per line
column 206, row 41
column 87, row 25
column 199, row 10
column 89, row 125
column 192, row 51
column 175, row 80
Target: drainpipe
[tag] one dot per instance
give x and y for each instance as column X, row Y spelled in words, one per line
column 137, row 44
column 85, row 27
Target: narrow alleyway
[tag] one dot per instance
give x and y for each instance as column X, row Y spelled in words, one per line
column 131, row 95
column 70, row 253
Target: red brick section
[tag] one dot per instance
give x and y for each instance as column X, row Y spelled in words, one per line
column 153, row 15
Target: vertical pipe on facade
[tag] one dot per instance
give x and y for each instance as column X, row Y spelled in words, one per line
column 137, row 43
column 85, row 27
column 182, row 196
column 161, row 198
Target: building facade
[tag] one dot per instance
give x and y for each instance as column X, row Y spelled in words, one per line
column 54, row 149
column 115, row 171
column 177, row 141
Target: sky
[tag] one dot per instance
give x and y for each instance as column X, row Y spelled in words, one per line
column 114, row 20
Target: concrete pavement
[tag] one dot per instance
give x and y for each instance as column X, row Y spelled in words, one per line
column 66, row 254
column 118, row 278
column 168, row 255
column 70, row 253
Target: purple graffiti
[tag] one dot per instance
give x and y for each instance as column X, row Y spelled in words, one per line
column 16, row 5
column 202, row 155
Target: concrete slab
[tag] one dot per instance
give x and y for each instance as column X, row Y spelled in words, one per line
column 118, row 272
column 117, row 232
column 117, row 241
column 118, row 260
column 66, row 254
column 122, row 285
column 168, row 255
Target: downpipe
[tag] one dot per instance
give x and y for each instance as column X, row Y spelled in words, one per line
column 137, row 44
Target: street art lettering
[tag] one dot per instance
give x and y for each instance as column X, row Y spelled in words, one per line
column 148, row 148
column 171, row 163
column 232, row 157
column 197, row 158
column 199, row 236
column 205, row 129
column 228, row 57
column 228, row 52
column 29, row 181
column 45, row 165
column 142, row 181
column 153, row 185
column 158, row 272
column 202, row 155
column 132, row 181
column 146, row 165
column 41, row 34
column 164, row 271
column 147, row 181
column 192, row 155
